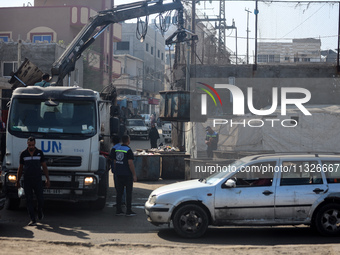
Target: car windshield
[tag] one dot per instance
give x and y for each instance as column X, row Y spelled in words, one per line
column 135, row 123
column 39, row 116
column 224, row 172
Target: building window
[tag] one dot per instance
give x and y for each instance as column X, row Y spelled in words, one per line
column 286, row 58
column 8, row 68
column 158, row 53
column 305, row 59
column 274, row 58
column 162, row 58
column 123, row 45
column 296, row 59
column 147, row 47
column 262, row 58
column 41, row 38
column 151, row 50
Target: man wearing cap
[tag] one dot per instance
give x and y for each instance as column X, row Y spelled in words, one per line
column 32, row 160
column 211, row 141
column 44, row 82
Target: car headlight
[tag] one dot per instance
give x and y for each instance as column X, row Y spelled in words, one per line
column 152, row 199
column 12, row 178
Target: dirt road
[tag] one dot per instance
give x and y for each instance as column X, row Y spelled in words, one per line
column 28, row 247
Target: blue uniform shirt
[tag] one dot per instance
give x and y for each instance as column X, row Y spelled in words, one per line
column 122, row 155
column 113, row 149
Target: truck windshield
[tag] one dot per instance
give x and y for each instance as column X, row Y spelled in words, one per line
column 71, row 117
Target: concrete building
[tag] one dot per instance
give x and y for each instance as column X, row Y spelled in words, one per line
column 54, row 22
column 151, row 51
column 298, row 51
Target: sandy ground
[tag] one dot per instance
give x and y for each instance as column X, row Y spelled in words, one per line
column 27, row 246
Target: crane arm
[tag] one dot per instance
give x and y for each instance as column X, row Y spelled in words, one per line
column 66, row 62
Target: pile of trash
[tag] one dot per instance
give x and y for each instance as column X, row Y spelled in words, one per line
column 157, row 151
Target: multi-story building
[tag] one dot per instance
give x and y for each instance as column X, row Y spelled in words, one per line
column 298, row 51
column 151, row 51
column 54, row 22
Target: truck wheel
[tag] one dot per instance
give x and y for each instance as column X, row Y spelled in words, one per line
column 190, row 221
column 100, row 203
column 13, row 203
column 327, row 220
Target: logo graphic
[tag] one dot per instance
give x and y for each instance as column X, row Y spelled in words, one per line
column 51, row 146
column 204, row 97
column 119, row 156
column 239, row 99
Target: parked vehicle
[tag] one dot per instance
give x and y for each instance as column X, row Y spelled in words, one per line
column 71, row 125
column 137, row 128
column 166, row 130
column 257, row 190
column 147, row 119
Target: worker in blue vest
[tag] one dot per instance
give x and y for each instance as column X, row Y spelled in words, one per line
column 211, row 141
column 125, row 175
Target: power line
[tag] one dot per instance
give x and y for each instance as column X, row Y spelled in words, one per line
column 288, row 39
column 278, row 1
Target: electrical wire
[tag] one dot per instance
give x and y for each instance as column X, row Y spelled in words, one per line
column 142, row 28
column 163, row 22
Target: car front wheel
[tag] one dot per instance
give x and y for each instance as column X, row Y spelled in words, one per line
column 327, row 220
column 190, row 221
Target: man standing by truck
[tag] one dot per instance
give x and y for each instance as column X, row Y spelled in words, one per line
column 125, row 175
column 31, row 161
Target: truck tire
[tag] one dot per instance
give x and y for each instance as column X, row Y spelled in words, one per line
column 327, row 220
column 190, row 221
column 100, row 203
column 13, row 203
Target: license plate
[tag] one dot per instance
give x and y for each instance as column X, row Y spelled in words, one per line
column 56, row 191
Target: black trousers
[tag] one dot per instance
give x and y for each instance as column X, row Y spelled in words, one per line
column 210, row 152
column 124, row 181
column 33, row 185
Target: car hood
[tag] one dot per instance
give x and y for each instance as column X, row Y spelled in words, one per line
column 166, row 126
column 179, row 186
column 138, row 128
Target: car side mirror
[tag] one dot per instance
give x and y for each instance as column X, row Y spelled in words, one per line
column 230, row 183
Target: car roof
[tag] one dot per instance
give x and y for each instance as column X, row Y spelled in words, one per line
column 292, row 155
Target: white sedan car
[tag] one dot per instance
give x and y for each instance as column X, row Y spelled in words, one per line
column 277, row 189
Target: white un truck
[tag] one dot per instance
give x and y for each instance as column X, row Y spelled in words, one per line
column 72, row 126
column 68, row 128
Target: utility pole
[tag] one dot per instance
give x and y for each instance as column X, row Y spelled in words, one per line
column 221, row 32
column 234, row 27
column 193, row 27
column 247, row 10
column 256, row 12
column 19, row 51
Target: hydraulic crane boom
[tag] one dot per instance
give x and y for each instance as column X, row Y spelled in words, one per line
column 66, row 62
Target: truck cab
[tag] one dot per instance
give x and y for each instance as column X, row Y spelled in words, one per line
column 67, row 126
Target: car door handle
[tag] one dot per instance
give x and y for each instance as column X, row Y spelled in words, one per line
column 317, row 190
column 267, row 192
